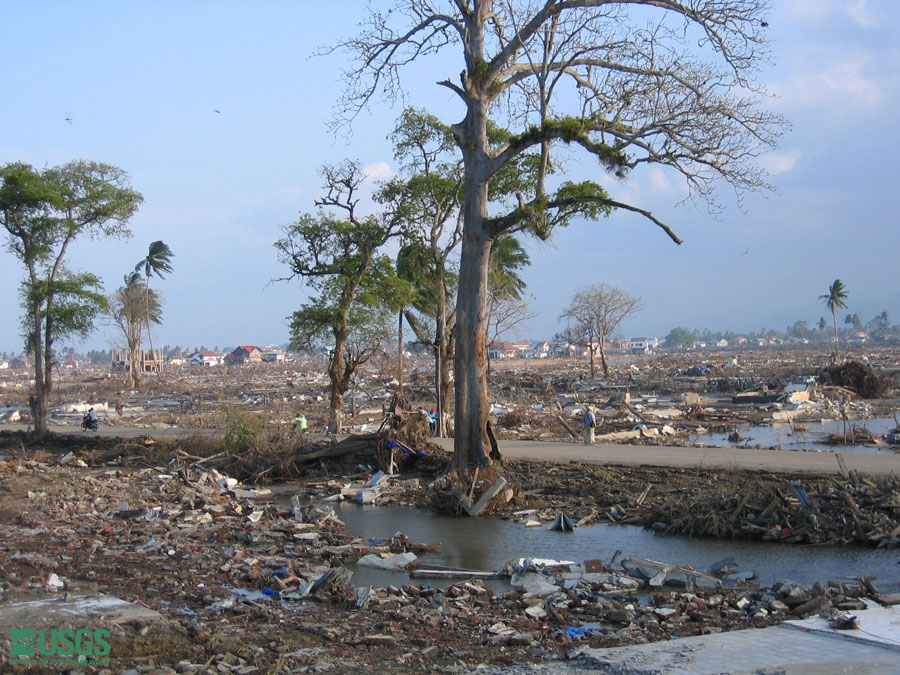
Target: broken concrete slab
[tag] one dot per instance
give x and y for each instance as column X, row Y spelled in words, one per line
column 64, row 609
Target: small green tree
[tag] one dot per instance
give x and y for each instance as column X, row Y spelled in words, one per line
column 680, row 337
column 834, row 300
column 43, row 212
column 337, row 253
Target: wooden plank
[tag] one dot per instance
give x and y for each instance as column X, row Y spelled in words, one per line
column 842, row 466
column 567, row 427
column 486, row 498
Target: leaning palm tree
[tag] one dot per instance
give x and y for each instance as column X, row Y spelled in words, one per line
column 834, row 300
column 158, row 262
column 130, row 308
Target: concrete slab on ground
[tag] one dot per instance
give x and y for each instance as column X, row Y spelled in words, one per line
column 786, row 649
column 68, row 611
column 877, row 624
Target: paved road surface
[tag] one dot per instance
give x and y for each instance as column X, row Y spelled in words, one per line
column 788, row 461
column 695, row 458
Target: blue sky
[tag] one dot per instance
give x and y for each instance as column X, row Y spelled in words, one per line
column 140, row 83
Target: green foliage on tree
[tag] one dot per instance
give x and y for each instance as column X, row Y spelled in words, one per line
column 581, row 77
column 834, row 300
column 158, row 263
column 680, row 337
column 132, row 307
column 426, row 196
column 43, row 212
column 338, row 254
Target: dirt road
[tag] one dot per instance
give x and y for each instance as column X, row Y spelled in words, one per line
column 626, row 455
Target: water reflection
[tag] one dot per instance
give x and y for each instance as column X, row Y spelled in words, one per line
column 783, row 435
column 485, row 544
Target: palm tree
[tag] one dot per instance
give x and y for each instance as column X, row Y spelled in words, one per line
column 834, row 300
column 507, row 257
column 158, row 262
column 131, row 307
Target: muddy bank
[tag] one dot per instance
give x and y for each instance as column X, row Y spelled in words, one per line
column 241, row 584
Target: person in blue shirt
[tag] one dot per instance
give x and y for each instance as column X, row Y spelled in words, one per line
column 590, row 423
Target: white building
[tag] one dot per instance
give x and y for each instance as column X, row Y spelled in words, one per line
column 206, row 358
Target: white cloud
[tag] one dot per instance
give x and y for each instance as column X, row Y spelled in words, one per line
column 776, row 163
column 378, row 171
column 808, row 12
column 660, row 182
column 859, row 11
column 840, row 83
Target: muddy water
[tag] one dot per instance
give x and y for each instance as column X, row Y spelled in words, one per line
column 485, row 544
column 783, row 436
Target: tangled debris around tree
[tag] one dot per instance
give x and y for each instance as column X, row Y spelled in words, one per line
column 856, row 376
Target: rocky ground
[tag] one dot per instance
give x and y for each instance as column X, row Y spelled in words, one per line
column 244, row 584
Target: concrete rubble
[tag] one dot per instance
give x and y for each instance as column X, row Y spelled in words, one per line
column 244, row 580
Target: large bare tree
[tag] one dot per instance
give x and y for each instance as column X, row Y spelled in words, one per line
column 629, row 82
column 594, row 314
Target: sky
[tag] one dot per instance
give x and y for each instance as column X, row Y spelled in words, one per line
column 218, row 111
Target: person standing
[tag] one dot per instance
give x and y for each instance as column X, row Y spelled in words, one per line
column 590, row 423
column 300, row 424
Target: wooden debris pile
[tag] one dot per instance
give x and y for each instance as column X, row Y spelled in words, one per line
column 822, row 511
column 844, row 509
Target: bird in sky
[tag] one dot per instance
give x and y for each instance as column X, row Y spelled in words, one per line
column 69, row 118
column 216, row 110
column 747, row 252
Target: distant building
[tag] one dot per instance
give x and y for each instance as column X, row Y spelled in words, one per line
column 538, row 350
column 244, row 354
column 273, row 356
column 642, row 345
column 207, row 358
column 4, row 365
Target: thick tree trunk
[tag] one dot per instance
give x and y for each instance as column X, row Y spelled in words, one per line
column 472, row 409
column 339, row 384
column 472, row 414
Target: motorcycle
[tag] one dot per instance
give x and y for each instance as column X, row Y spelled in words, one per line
column 89, row 423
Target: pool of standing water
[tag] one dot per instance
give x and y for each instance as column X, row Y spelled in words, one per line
column 488, row 544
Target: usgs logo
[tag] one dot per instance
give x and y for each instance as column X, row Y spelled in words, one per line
column 32, row 643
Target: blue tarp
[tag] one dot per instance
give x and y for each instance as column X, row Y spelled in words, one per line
column 400, row 446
